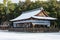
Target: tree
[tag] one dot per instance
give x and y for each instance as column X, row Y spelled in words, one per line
column 28, row 2
column 5, row 2
column 9, row 10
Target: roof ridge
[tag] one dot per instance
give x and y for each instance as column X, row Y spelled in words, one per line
column 31, row 10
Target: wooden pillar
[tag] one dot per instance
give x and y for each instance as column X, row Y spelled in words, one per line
column 29, row 27
column 55, row 24
column 33, row 27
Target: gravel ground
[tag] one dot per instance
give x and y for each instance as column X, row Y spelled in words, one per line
column 5, row 35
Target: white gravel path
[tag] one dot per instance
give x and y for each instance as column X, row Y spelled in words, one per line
column 28, row 36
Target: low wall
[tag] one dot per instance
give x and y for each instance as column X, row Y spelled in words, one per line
column 34, row 29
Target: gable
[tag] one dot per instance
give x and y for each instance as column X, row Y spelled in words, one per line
column 42, row 14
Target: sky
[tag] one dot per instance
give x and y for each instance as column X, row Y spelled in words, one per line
column 16, row 1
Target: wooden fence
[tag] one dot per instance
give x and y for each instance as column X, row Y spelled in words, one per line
column 4, row 27
column 34, row 29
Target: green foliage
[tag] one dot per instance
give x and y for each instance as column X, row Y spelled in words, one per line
column 4, row 2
